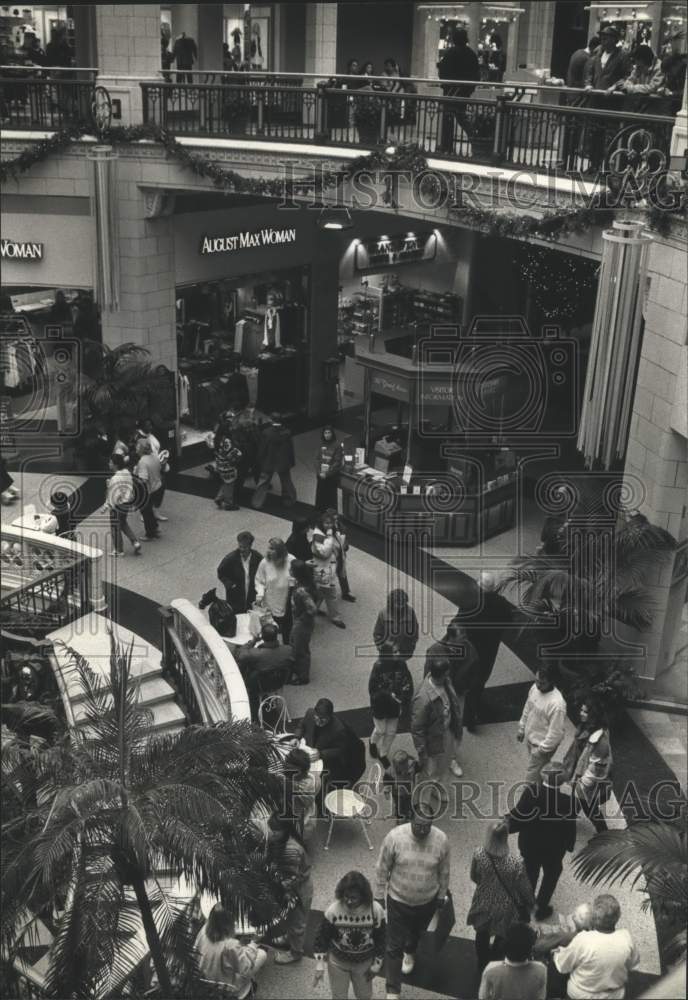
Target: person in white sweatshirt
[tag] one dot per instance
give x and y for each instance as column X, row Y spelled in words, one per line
column 542, row 722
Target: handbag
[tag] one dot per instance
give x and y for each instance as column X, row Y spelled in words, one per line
column 522, row 909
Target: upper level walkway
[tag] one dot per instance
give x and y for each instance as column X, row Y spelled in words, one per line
column 522, row 126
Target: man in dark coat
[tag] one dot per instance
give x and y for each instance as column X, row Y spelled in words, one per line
column 324, row 732
column 265, row 666
column 276, row 455
column 484, row 630
column 237, row 572
column 609, row 64
column 459, row 62
column 575, row 74
column 545, row 820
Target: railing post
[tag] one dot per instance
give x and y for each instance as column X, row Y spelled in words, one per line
column 320, row 112
column 261, row 110
column 383, row 122
column 501, row 134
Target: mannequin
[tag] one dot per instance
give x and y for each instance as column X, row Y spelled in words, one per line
column 271, row 329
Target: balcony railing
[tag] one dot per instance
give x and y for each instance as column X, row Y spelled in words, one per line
column 519, row 125
column 495, row 130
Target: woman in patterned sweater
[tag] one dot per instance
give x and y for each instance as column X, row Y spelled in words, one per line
column 352, row 937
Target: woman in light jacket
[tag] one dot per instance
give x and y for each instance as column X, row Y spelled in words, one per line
column 223, row 960
column 588, row 762
column 326, row 552
column 273, row 580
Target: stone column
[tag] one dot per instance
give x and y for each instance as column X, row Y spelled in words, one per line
column 679, row 135
column 323, row 317
column 210, row 35
column 657, row 456
column 321, row 38
column 127, row 39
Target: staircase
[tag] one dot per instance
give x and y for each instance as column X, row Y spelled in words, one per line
column 88, row 637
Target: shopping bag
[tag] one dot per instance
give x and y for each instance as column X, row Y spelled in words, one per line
column 446, row 918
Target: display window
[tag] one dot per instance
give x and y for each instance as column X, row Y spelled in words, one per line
column 243, row 341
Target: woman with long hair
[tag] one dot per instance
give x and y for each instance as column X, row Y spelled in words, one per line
column 222, row 959
column 588, row 762
column 288, row 852
column 328, row 463
column 503, row 894
column 326, row 553
column 397, row 623
column 351, row 938
column 273, row 581
column 303, row 612
column 391, row 689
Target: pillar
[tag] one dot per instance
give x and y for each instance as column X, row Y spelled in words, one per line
column 210, row 35
column 323, row 318
column 679, row 135
column 321, row 39
column 127, row 39
column 657, row 458
column 534, row 38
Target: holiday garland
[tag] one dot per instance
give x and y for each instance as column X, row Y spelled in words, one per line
column 407, row 159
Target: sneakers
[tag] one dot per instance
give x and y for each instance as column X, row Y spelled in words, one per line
column 456, row 769
column 339, row 623
column 161, row 517
column 408, row 964
column 137, row 548
column 348, row 597
column 287, row 958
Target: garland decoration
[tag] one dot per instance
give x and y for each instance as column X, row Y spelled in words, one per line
column 407, row 159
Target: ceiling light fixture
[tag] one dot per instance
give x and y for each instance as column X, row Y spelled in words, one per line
column 335, row 219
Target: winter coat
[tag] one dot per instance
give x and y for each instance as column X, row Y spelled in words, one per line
column 588, row 763
column 427, row 723
column 390, row 688
column 401, row 630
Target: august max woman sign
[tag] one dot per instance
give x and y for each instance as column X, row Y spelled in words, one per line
column 247, row 240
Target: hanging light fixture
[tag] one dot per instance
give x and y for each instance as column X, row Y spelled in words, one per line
column 335, row 218
column 103, row 209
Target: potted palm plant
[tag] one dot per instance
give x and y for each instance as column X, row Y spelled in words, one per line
column 106, row 821
column 116, row 386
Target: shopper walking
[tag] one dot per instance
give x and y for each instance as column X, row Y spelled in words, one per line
column 390, row 687
column 351, row 939
column 459, row 62
column 541, row 726
column 413, row 875
column 148, row 472
column 545, row 821
column 273, row 580
column 463, row 662
column 227, row 458
column 145, row 432
column 599, row 961
column 325, row 548
column 119, row 498
column 328, row 464
column 516, row 976
column 503, row 894
column 303, row 612
column 223, row 961
column 485, row 629
column 588, row 762
column 397, row 623
column 436, row 726
column 342, row 556
column 275, row 455
column 287, row 851
column 237, row 572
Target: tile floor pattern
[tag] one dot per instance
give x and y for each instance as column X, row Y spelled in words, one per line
column 182, row 564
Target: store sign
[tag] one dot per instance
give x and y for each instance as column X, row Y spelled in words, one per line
column 11, row 250
column 390, row 386
column 437, row 391
column 268, row 237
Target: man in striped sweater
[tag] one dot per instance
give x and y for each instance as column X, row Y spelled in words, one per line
column 413, row 873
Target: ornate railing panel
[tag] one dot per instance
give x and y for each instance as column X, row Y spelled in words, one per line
column 196, row 659
column 484, row 129
column 53, row 600
column 43, row 103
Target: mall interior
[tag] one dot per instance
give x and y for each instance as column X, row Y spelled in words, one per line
column 193, row 200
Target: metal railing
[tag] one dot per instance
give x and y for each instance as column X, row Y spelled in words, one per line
column 48, row 602
column 43, row 103
column 495, row 130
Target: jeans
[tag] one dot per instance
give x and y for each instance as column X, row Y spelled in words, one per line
column 486, row 951
column 120, row 526
column 329, row 596
column 264, row 482
column 436, row 768
column 384, row 731
column 226, row 493
column 298, row 917
column 150, row 521
column 536, row 761
column 300, row 642
column 341, row 972
column 551, row 868
column 343, row 582
column 158, row 496
column 405, row 924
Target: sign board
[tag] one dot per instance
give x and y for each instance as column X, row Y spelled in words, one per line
column 15, row 250
column 266, row 237
column 8, row 444
column 390, row 386
column 436, row 391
